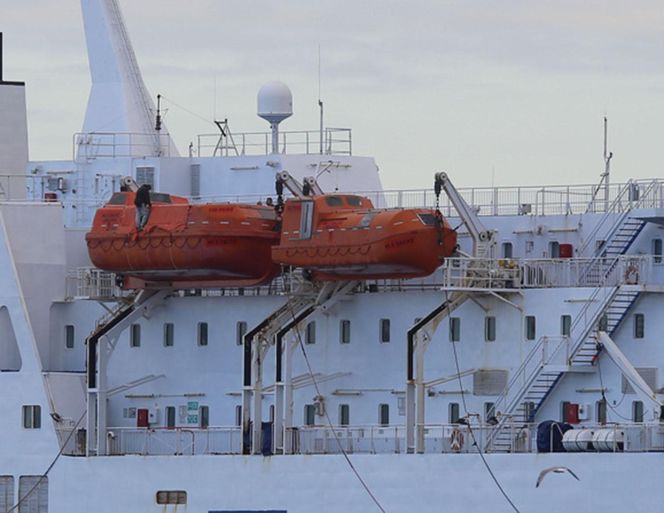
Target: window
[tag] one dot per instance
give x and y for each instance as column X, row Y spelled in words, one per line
column 639, row 325
column 453, row 413
column 240, row 332
column 37, row 487
column 384, row 414
column 554, row 249
column 238, row 415
column 170, row 417
column 333, row 201
column 529, row 411
column 306, row 219
column 32, row 416
column 601, row 411
column 169, row 332
column 202, row 334
column 657, row 250
column 171, row 497
column 344, row 414
column 69, row 336
column 310, row 333
column 508, row 250
column 145, row 174
column 489, row 381
column 344, row 331
column 637, row 411
column 603, row 323
column 204, row 416
column 384, row 330
column 565, row 325
column 489, row 412
column 455, row 329
column 565, row 407
column 309, row 414
column 531, row 329
column 489, row 329
column 6, row 493
column 135, row 335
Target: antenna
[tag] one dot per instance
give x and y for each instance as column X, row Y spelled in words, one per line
column 320, row 106
column 157, row 125
column 607, row 163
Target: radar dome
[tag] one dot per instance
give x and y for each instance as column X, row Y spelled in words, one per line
column 275, row 102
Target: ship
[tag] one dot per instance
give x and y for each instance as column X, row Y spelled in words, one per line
column 517, row 366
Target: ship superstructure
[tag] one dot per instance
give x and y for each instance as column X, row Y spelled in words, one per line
column 278, row 396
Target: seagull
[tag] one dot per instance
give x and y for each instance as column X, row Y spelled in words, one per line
column 557, row 470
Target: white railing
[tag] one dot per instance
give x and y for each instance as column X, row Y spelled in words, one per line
column 91, row 283
column 336, row 141
column 95, row 145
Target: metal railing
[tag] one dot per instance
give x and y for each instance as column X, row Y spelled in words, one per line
column 336, row 141
column 95, row 145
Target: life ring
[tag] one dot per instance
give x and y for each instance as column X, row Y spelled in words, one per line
column 632, row 274
column 456, row 440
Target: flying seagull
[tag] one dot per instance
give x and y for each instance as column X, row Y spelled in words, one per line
column 557, row 470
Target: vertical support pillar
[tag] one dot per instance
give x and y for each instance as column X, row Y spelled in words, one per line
column 246, row 395
column 410, row 417
column 278, row 399
column 420, row 396
column 257, row 372
column 102, row 365
column 288, row 400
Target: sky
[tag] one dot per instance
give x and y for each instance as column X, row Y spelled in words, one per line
column 509, row 92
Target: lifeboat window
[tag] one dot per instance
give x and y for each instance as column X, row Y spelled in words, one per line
column 344, row 414
column 455, row 329
column 310, row 335
column 202, row 333
column 354, row 201
column 32, row 416
column 118, row 199
column 384, row 330
column 69, row 336
column 344, row 331
column 334, row 201
column 428, row 219
column 531, row 327
column 490, row 329
column 160, row 197
column 240, row 331
column 169, row 334
column 384, row 414
column 453, row 413
column 135, row 335
column 306, row 221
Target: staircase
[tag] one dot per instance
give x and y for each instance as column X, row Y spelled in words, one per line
column 552, row 357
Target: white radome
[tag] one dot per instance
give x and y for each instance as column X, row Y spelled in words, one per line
column 275, row 102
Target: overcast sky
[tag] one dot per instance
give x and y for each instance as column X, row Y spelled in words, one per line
column 507, row 91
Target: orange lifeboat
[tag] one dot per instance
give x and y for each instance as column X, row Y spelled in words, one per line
column 225, row 244
column 341, row 237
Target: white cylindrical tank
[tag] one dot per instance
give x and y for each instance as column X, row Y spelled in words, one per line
column 578, row 440
column 275, row 102
column 609, row 440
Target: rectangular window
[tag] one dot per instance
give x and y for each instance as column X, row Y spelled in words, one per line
column 69, row 336
column 307, row 219
column 6, row 493
column 565, row 325
column 204, row 417
column 453, row 413
column 32, row 416
column 455, row 329
column 384, row 330
column 240, row 332
column 657, row 250
column 135, row 335
column 145, row 174
column 490, row 329
column 170, row 417
column 603, row 323
column 637, row 411
column 531, row 328
column 508, row 250
column 169, row 334
column 37, row 500
column 564, row 407
column 554, row 249
column 529, row 411
column 171, row 497
column 309, row 414
column 639, row 325
column 384, row 414
column 344, row 414
column 489, row 412
column 344, row 331
column 238, row 415
column 202, row 333
column 310, row 333
column 601, row 411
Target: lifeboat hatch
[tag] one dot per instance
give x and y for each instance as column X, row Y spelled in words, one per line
column 306, row 219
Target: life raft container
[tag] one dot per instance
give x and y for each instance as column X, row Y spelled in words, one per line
column 228, row 244
column 339, row 237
